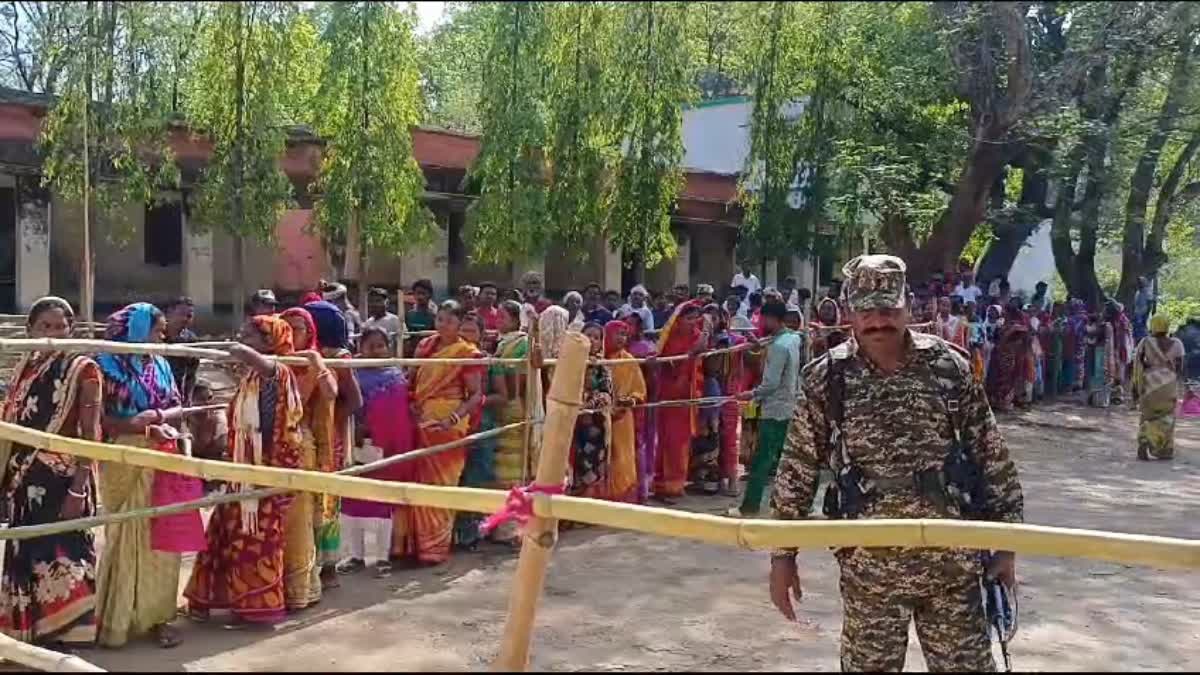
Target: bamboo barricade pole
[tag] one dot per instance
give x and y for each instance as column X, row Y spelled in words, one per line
column 42, row 659
column 182, row 351
column 562, row 408
column 1129, row 549
column 192, row 352
column 45, row 529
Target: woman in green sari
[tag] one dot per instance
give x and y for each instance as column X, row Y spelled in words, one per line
column 1157, row 374
column 480, row 467
column 510, row 457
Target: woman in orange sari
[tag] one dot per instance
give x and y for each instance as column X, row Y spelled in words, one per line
column 318, row 392
column 333, row 338
column 242, row 569
column 677, row 380
column 443, row 397
column 629, row 389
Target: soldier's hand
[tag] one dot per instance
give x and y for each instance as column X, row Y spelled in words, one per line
column 785, row 583
column 1003, row 568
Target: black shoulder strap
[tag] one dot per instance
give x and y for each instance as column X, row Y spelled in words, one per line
column 835, row 410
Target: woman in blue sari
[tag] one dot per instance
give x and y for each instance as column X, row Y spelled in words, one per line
column 137, row 587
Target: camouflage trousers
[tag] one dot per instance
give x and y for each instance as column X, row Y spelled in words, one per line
column 882, row 590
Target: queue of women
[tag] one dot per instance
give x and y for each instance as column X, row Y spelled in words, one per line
column 261, row 557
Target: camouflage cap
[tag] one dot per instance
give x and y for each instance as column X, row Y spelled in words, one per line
column 874, row 282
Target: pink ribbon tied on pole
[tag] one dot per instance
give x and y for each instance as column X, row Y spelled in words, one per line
column 518, row 506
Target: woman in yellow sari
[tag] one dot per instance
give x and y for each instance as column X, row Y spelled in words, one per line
column 1157, row 376
column 629, row 389
column 318, row 392
column 443, row 397
column 137, row 587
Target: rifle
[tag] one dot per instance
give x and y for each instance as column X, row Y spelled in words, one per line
column 1000, row 608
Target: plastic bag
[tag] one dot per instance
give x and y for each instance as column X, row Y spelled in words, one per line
column 179, row 532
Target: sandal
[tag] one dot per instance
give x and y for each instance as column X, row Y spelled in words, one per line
column 329, row 578
column 383, row 569
column 350, row 566
column 167, row 637
column 198, row 615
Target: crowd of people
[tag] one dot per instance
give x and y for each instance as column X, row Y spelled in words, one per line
column 651, row 430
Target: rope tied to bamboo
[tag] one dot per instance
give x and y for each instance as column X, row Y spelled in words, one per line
column 518, row 506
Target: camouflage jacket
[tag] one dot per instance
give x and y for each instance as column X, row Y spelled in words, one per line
column 893, row 426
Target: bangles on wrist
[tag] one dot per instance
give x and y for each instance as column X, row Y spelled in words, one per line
column 77, row 495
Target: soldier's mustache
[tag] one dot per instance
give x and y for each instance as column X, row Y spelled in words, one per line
column 879, row 329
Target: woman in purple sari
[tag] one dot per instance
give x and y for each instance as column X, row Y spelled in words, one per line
column 645, row 421
column 386, row 420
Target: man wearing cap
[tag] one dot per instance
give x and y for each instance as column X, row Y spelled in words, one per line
column 337, row 295
column 908, row 404
column 378, row 315
column 263, row 302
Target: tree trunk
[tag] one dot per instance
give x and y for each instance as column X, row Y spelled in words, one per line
column 968, row 207
column 1085, row 281
column 1077, row 270
column 239, row 207
column 1168, row 198
column 1133, row 250
column 87, row 268
column 240, row 295
column 1032, row 211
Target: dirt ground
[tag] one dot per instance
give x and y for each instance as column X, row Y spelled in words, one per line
column 618, row 601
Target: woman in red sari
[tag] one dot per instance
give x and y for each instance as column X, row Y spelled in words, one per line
column 242, row 569
column 677, row 380
column 444, row 395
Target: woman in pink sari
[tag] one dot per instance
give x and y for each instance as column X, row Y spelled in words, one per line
column 678, row 380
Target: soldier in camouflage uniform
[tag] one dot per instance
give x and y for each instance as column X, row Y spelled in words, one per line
column 904, row 394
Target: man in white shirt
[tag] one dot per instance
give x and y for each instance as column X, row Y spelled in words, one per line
column 637, row 305
column 378, row 315
column 750, row 281
column 966, row 288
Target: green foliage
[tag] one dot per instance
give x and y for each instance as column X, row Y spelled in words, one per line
column 583, row 131
column 1179, row 279
column 901, row 141
column 241, row 94
column 715, row 35
column 129, row 159
column 657, row 84
column 368, row 101
column 453, row 57
column 509, row 220
column 775, row 129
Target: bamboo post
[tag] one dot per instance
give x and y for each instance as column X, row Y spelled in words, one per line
column 42, row 659
column 562, row 407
